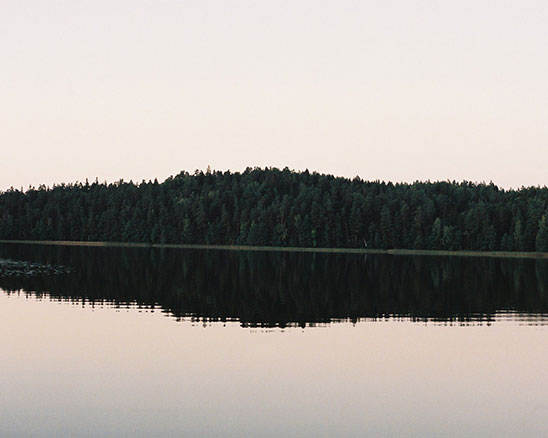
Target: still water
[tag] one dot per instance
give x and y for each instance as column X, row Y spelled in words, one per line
column 168, row 342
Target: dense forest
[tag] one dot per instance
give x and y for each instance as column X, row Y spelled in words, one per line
column 282, row 208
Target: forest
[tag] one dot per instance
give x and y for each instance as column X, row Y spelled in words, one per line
column 274, row 207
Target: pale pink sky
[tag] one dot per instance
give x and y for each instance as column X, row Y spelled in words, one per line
column 391, row 90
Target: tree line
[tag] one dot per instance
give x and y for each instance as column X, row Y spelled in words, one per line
column 276, row 207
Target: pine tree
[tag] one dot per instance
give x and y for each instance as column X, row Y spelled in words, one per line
column 541, row 241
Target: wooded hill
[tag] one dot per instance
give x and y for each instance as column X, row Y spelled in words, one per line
column 282, row 208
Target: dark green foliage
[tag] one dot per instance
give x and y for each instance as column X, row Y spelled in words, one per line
column 542, row 235
column 282, row 208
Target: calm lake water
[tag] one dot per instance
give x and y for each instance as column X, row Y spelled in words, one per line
column 170, row 342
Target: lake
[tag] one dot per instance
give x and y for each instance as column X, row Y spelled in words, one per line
column 171, row 342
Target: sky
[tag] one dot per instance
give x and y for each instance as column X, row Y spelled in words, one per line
column 390, row 90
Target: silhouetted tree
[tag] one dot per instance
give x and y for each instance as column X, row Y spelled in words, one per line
column 282, row 208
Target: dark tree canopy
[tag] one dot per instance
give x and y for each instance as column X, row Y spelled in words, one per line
column 282, row 208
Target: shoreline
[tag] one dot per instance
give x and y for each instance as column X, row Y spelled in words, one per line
column 423, row 252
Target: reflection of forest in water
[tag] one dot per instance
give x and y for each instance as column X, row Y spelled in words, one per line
column 281, row 288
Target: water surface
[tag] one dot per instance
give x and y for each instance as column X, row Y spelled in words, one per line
column 165, row 342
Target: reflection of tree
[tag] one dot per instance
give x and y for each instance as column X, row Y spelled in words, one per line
column 277, row 289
